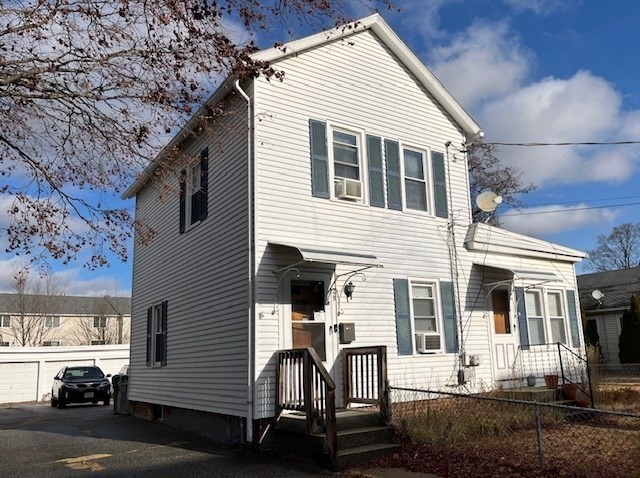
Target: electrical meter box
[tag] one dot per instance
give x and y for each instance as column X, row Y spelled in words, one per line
column 347, row 332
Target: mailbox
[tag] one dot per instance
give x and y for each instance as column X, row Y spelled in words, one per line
column 347, row 332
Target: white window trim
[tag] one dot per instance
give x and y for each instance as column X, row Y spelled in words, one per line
column 189, row 191
column 435, row 283
column 426, row 154
column 546, row 316
column 7, row 318
column 360, row 135
column 156, row 329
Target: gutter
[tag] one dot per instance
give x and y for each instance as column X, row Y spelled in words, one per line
column 250, row 275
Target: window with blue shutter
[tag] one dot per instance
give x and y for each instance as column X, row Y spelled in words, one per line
column 449, row 317
column 376, row 178
column 573, row 318
column 439, row 184
column 523, row 328
column 403, row 316
column 319, row 159
column 394, row 180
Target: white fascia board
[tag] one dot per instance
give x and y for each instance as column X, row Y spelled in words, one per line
column 484, row 238
column 217, row 96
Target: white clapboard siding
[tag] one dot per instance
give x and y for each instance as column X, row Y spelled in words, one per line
column 202, row 274
column 358, row 84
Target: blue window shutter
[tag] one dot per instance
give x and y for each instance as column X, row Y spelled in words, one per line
column 149, row 329
column 319, row 159
column 394, row 182
column 403, row 316
column 183, row 199
column 449, row 317
column 573, row 318
column 439, row 184
column 204, row 184
column 376, row 179
column 523, row 325
column 163, row 347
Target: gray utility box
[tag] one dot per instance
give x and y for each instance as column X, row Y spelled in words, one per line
column 347, row 331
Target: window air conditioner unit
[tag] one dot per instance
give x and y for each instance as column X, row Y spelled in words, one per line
column 426, row 343
column 348, row 189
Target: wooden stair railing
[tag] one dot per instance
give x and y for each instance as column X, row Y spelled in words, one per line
column 365, row 378
column 305, row 385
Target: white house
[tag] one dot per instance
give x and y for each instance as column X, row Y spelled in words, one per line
column 330, row 210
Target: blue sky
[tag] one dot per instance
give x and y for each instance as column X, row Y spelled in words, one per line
column 527, row 71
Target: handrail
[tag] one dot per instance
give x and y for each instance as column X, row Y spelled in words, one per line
column 304, row 384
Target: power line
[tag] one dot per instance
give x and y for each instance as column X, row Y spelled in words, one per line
column 568, row 143
column 569, row 209
column 575, row 201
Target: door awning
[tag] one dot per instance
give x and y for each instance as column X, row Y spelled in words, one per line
column 332, row 256
column 522, row 274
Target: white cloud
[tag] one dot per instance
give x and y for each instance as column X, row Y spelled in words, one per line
column 539, row 7
column 423, row 17
column 486, row 61
column 554, row 219
column 582, row 108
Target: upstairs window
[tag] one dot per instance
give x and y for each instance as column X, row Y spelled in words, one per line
column 347, row 167
column 415, row 180
column 194, row 192
column 100, row 322
column 52, row 321
column 5, row 321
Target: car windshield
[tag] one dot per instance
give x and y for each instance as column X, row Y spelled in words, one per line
column 79, row 373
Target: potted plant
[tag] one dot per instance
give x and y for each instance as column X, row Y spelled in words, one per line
column 551, row 381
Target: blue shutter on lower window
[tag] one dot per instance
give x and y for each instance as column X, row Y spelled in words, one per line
column 573, row 318
column 403, row 316
column 163, row 348
column 319, row 159
column 394, row 182
column 449, row 317
column 149, row 329
column 523, row 325
column 439, row 184
column 376, row 178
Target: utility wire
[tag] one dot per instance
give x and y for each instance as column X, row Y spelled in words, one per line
column 576, row 201
column 569, row 209
column 584, row 143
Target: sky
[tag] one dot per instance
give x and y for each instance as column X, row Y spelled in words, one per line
column 528, row 71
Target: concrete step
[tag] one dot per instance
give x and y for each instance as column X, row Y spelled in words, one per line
column 351, row 457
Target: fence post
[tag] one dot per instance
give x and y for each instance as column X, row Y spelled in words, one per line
column 536, row 412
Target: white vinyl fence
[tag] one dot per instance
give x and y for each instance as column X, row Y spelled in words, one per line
column 26, row 373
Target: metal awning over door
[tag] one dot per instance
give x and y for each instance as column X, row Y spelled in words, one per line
column 331, row 256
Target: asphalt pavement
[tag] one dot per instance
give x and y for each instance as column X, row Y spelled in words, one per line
column 90, row 440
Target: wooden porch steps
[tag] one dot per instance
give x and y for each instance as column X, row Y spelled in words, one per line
column 360, row 438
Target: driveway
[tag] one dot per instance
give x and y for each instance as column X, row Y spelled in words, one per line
column 39, row 441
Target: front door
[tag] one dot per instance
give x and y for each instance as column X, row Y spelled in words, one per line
column 504, row 336
column 309, row 318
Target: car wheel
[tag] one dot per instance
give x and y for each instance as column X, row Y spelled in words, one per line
column 107, row 401
column 61, row 403
column 54, row 402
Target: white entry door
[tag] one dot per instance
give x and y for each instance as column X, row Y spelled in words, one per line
column 504, row 336
column 309, row 320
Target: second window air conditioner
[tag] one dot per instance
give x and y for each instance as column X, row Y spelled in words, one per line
column 348, row 189
column 426, row 343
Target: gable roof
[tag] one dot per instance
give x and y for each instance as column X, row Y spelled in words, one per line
column 617, row 287
column 484, row 238
column 387, row 36
column 62, row 305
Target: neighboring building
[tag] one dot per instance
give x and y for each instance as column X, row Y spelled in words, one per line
column 604, row 308
column 352, row 168
column 28, row 320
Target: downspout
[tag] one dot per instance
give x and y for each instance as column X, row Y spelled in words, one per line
column 250, row 308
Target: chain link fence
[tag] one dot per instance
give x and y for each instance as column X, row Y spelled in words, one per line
column 622, row 374
column 518, row 436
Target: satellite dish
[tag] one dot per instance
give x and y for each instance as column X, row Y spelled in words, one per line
column 597, row 295
column 488, row 201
